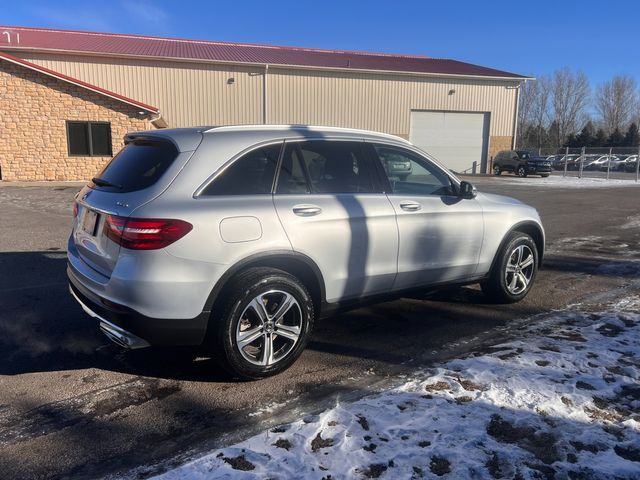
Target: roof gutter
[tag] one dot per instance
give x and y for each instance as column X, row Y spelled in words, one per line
column 254, row 64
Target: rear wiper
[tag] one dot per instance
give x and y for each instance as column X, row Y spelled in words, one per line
column 105, row 183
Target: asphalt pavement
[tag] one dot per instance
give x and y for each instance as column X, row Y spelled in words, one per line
column 72, row 405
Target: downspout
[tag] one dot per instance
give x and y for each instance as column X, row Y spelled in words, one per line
column 264, row 94
column 153, row 118
column 515, row 120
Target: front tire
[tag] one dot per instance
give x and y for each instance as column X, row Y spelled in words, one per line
column 514, row 270
column 522, row 172
column 265, row 325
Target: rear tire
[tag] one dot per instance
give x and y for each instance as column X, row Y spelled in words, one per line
column 497, row 170
column 262, row 302
column 514, row 271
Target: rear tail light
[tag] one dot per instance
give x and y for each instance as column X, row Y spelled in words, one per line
column 145, row 233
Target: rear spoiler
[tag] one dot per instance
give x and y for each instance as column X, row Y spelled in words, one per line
column 184, row 140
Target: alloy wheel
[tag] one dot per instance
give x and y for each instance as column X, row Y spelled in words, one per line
column 269, row 327
column 519, row 269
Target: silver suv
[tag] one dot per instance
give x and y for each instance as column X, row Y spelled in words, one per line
column 237, row 238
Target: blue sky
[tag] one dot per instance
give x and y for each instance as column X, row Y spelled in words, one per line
column 535, row 37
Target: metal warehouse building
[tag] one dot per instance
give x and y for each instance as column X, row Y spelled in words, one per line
column 68, row 97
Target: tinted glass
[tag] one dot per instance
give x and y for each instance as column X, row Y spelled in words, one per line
column 251, row 174
column 410, row 174
column 78, row 138
column 321, row 166
column 101, row 139
column 138, row 165
column 292, row 178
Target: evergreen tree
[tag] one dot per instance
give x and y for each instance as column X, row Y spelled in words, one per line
column 616, row 139
column 572, row 141
column 553, row 135
column 600, row 138
column 586, row 137
column 632, row 137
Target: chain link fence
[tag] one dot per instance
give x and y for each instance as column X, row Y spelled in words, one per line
column 600, row 162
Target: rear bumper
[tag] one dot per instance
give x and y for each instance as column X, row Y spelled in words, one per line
column 130, row 329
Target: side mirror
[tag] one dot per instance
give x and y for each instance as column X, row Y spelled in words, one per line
column 467, row 190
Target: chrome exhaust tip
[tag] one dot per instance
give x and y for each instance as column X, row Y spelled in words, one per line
column 114, row 333
column 121, row 337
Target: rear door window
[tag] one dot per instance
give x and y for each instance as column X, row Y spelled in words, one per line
column 326, row 167
column 138, row 165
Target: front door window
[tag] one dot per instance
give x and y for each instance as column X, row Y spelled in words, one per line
column 409, row 174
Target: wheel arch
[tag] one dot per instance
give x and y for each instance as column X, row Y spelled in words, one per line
column 296, row 264
column 531, row 228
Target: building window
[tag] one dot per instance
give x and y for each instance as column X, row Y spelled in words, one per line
column 89, row 138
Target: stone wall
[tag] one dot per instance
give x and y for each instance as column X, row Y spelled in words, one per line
column 33, row 138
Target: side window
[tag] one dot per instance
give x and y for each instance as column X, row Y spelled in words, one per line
column 292, row 177
column 409, row 173
column 251, row 174
column 323, row 166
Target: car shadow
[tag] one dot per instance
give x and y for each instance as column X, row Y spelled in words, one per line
column 43, row 329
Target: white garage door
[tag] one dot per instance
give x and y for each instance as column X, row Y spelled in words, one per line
column 455, row 139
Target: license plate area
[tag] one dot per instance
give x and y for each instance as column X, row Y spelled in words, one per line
column 89, row 222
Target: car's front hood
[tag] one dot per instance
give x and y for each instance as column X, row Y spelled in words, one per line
column 497, row 199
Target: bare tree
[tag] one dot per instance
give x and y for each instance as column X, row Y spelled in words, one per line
column 534, row 108
column 617, row 102
column 569, row 97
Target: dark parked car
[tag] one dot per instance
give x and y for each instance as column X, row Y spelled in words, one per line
column 631, row 163
column 521, row 163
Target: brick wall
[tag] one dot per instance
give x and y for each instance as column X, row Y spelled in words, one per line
column 33, row 137
column 495, row 145
column 499, row 143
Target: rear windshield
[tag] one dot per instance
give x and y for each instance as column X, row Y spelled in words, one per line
column 138, row 165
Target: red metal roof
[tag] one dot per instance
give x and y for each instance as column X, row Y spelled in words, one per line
column 80, row 83
column 42, row 39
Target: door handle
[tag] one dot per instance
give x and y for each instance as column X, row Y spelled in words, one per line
column 306, row 210
column 410, row 206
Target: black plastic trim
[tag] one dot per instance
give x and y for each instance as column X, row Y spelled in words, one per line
column 329, row 309
column 515, row 228
column 255, row 260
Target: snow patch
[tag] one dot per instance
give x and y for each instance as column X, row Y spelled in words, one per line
column 562, row 400
column 566, row 182
column 633, row 222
